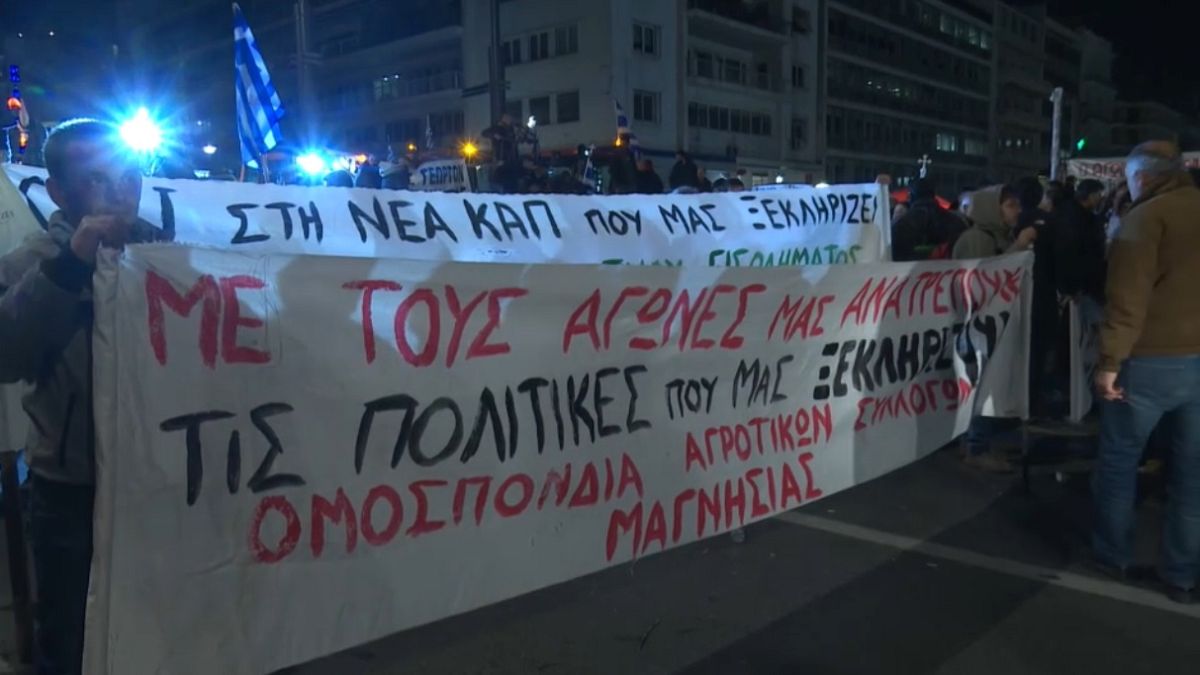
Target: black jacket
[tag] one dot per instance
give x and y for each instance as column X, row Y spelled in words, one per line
column 923, row 228
column 684, row 174
column 1079, row 252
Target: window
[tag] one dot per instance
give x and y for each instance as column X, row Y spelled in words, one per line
column 724, row 119
column 539, row 107
column 645, row 39
column 510, row 52
column 798, row 77
column 947, row 142
column 799, row 132
column 704, row 65
column 801, row 21
column 514, row 110
column 568, row 107
column 645, row 106
column 976, row 147
column 539, row 46
column 566, row 40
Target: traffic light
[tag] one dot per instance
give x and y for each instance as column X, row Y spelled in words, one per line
column 1080, row 144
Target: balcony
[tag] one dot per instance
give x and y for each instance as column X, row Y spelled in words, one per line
column 736, row 22
column 710, row 69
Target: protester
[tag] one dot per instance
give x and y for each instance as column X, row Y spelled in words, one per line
column 721, row 185
column 622, row 170
column 926, row 230
column 1079, row 246
column 647, row 180
column 45, row 330
column 1195, row 174
column 339, row 178
column 994, row 213
column 1117, row 205
column 395, row 173
column 685, row 173
column 1037, row 205
column 1149, row 367
column 506, row 171
column 703, row 184
column 736, row 185
column 369, row 175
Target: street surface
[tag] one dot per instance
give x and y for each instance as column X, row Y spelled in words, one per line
column 931, row 569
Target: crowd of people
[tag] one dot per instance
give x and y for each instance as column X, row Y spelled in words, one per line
column 1126, row 256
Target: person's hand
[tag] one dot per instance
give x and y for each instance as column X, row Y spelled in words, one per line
column 1106, row 386
column 94, row 231
column 1026, row 238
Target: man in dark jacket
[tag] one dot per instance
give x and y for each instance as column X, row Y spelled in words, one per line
column 1079, row 243
column 925, row 228
column 45, row 330
column 647, row 180
column 685, row 173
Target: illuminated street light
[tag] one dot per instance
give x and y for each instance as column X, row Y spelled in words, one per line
column 141, row 133
column 411, row 147
column 311, row 164
column 209, row 149
column 469, row 150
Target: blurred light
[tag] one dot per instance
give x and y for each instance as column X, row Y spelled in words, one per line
column 311, row 164
column 51, row 33
column 411, row 147
column 14, row 103
column 778, row 178
column 360, row 158
column 1081, row 144
column 469, row 149
column 340, row 164
column 821, row 186
column 209, row 149
column 20, row 35
column 618, row 142
column 532, row 122
column 201, row 173
column 141, row 133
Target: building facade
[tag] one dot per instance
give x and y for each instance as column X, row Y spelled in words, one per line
column 907, row 81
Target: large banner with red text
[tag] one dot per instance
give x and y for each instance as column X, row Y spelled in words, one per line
column 298, row 454
column 840, row 224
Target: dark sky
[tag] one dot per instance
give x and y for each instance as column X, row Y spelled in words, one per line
column 1156, row 46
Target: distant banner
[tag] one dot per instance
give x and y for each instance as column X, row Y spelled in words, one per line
column 301, row 454
column 841, row 224
column 443, row 175
column 1111, row 170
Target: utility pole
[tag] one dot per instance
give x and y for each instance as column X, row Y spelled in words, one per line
column 1055, row 132
column 303, row 73
column 496, row 65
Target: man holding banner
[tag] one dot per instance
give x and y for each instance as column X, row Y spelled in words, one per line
column 1150, row 366
column 45, row 327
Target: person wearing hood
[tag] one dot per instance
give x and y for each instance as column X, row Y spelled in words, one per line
column 993, row 212
column 46, row 329
column 685, row 173
column 1149, row 368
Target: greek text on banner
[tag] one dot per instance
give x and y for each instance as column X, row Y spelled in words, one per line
column 327, row 450
column 788, row 228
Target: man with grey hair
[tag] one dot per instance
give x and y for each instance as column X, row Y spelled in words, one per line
column 1149, row 366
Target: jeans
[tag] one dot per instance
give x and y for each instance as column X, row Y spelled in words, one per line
column 1154, row 387
column 983, row 430
column 61, row 533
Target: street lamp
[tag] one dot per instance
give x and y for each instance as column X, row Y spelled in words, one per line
column 141, row 133
column 469, row 150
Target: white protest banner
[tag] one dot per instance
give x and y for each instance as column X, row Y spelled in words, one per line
column 838, row 225
column 1085, row 353
column 300, row 454
column 1111, row 170
column 445, row 175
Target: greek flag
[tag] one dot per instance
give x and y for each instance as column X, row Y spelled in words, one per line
column 258, row 106
column 623, row 128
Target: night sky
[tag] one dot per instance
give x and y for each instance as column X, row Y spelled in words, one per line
column 1158, row 55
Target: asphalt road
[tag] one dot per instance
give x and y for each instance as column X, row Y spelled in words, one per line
column 931, row 569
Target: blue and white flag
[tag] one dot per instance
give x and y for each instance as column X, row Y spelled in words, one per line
column 428, row 133
column 624, row 129
column 258, row 106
